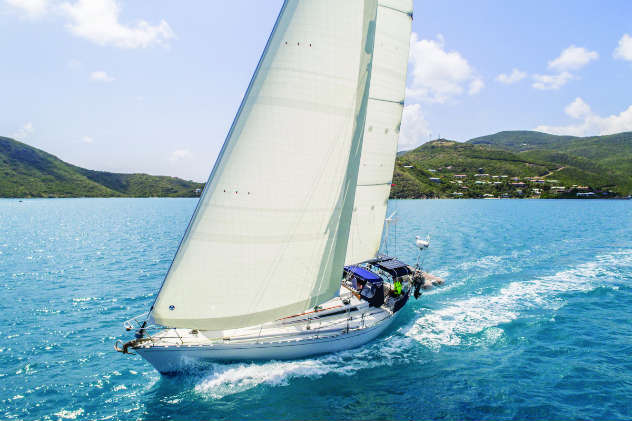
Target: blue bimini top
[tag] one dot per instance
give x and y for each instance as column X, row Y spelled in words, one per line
column 394, row 267
column 362, row 274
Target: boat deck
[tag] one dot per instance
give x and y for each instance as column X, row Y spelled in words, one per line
column 337, row 316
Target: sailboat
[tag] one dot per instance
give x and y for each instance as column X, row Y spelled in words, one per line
column 280, row 259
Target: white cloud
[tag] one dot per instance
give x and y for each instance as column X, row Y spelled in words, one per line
column 101, row 76
column 414, row 130
column 515, row 76
column 24, row 132
column 624, row 49
column 180, row 154
column 32, row 9
column 98, row 21
column 573, row 58
column 475, row 86
column 551, row 82
column 578, row 109
column 591, row 123
column 439, row 75
column 87, row 139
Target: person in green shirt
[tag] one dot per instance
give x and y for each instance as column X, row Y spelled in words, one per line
column 397, row 286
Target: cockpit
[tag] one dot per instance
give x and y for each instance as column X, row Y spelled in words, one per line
column 381, row 281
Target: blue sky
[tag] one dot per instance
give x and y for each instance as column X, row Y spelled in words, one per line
column 153, row 85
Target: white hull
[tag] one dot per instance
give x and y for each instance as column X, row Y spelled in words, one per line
column 182, row 358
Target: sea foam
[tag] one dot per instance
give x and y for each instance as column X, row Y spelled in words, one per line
column 449, row 325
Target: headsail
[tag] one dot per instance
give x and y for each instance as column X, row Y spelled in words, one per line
column 270, row 232
column 384, row 115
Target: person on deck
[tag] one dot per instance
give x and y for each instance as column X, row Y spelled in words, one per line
column 397, row 287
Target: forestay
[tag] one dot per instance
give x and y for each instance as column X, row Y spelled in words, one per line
column 269, row 235
column 384, row 114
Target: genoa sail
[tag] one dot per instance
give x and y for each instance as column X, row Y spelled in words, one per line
column 269, row 235
column 384, row 115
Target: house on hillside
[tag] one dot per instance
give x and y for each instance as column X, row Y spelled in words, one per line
column 434, row 179
column 460, row 176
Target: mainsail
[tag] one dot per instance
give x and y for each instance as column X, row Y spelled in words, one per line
column 383, row 118
column 270, row 232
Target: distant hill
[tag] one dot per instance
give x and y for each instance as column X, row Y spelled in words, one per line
column 26, row 171
column 612, row 152
column 548, row 165
column 521, row 140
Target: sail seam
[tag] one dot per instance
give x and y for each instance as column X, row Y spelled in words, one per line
column 387, row 100
column 409, row 14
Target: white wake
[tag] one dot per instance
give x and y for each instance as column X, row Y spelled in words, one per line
column 446, row 326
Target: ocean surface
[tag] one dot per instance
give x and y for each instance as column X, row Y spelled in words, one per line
column 535, row 320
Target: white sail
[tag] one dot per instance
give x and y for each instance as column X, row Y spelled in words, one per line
column 384, row 115
column 269, row 235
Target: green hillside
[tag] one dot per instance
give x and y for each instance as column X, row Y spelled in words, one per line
column 612, row 152
column 29, row 172
column 609, row 155
column 522, row 140
column 517, row 164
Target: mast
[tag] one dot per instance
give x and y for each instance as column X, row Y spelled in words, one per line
column 384, row 116
column 270, row 232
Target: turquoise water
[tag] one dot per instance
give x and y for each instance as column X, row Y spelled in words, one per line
column 533, row 323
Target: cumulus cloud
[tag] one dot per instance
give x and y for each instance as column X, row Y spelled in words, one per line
column 98, row 21
column 475, row 86
column 590, row 123
column 551, row 82
column 24, row 132
column 578, row 109
column 180, row 154
column 30, row 8
column 414, row 130
column 87, row 139
column 515, row 76
column 573, row 58
column 624, row 49
column 439, row 75
column 101, row 76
